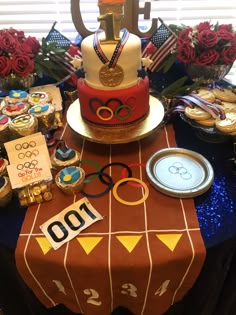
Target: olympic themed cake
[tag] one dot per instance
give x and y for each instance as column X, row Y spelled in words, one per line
column 113, row 87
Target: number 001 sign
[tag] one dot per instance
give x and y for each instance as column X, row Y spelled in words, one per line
column 70, row 222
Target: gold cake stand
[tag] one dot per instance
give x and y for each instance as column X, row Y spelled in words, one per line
column 116, row 135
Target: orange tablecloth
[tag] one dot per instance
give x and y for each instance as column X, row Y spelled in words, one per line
column 144, row 257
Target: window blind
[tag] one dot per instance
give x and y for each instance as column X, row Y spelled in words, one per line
column 36, row 18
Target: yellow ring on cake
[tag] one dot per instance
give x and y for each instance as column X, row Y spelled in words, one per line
column 130, row 203
column 106, row 108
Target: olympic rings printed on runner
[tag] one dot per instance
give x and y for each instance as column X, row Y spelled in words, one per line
column 28, row 154
column 30, row 165
column 123, row 174
column 130, row 203
column 114, row 164
column 25, row 145
column 178, row 168
column 105, row 107
column 98, row 168
column 109, row 185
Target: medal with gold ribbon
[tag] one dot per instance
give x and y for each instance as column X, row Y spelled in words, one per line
column 111, row 74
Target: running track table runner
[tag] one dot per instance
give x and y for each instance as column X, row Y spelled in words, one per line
column 144, row 257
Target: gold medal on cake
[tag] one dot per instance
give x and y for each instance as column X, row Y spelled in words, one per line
column 111, row 74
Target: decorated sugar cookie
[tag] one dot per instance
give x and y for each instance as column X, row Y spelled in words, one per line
column 70, row 179
column 16, row 96
column 39, row 98
column 196, row 113
column 228, row 124
column 15, row 109
column 5, row 191
column 224, row 95
column 64, row 156
column 23, row 125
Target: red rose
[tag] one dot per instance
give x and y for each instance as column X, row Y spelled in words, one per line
column 33, row 43
column 186, row 54
column 225, row 27
column 207, row 38
column 203, row 26
column 184, row 36
column 22, row 64
column 229, row 54
column 5, row 66
column 208, row 57
column 8, row 42
column 225, row 35
column 26, row 49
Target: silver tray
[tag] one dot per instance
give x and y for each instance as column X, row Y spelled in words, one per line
column 179, row 173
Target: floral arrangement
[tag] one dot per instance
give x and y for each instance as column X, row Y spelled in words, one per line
column 203, row 44
column 22, row 55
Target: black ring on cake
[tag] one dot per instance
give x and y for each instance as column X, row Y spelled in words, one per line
column 129, row 171
column 109, row 185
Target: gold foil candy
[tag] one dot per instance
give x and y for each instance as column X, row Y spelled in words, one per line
column 43, row 187
column 36, row 190
column 23, row 202
column 47, row 196
column 38, row 199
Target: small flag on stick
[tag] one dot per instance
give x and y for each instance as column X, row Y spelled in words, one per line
column 54, row 36
column 159, row 45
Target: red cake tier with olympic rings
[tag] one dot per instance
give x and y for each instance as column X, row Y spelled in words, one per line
column 114, row 107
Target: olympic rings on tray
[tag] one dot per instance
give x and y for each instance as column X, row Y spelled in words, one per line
column 109, row 185
column 105, row 107
column 28, row 154
column 123, row 174
column 115, row 164
column 25, row 145
column 30, row 165
column 130, row 203
column 178, row 168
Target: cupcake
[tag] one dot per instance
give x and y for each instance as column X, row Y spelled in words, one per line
column 23, row 125
column 5, row 191
column 16, row 96
column 3, row 166
column 45, row 115
column 70, row 179
column 15, row 109
column 39, row 98
column 4, row 128
column 64, row 156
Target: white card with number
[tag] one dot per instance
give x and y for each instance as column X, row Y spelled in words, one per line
column 67, row 224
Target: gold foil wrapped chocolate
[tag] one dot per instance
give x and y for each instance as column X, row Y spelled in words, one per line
column 45, row 115
column 35, row 193
column 23, row 125
column 5, row 191
column 70, row 179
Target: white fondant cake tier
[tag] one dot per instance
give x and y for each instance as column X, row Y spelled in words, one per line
column 129, row 60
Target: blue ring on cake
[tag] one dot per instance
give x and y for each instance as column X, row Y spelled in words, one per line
column 109, row 185
column 129, row 171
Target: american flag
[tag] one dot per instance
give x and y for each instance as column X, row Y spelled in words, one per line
column 159, row 45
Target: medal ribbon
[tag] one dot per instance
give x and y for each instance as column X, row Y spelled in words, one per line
column 117, row 52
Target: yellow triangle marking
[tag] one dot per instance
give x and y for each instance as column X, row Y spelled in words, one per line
column 89, row 243
column 170, row 240
column 129, row 242
column 44, row 244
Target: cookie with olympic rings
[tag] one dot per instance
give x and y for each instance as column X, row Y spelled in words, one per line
column 70, row 179
column 196, row 113
column 39, row 98
column 23, row 125
column 226, row 95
